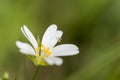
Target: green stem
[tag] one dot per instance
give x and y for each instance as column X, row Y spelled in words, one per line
column 36, row 72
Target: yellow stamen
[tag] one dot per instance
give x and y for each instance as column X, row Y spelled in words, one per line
column 37, row 49
column 37, row 55
column 48, row 52
column 42, row 46
column 45, row 50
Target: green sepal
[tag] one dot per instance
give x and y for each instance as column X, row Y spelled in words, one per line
column 31, row 57
column 40, row 63
column 36, row 61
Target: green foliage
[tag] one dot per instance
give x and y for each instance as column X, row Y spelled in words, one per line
column 93, row 25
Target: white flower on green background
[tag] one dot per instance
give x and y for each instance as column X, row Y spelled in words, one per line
column 46, row 53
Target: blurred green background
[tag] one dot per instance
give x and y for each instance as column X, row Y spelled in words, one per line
column 93, row 25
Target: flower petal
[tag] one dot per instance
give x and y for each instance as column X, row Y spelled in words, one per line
column 49, row 34
column 25, row 48
column 54, row 61
column 55, row 38
column 49, row 61
column 57, row 61
column 29, row 36
column 65, row 50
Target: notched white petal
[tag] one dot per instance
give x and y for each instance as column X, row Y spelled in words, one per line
column 56, row 38
column 29, row 36
column 27, row 52
column 54, row 61
column 59, row 34
column 57, row 61
column 25, row 48
column 65, row 50
column 49, row 34
column 66, row 46
column 49, row 61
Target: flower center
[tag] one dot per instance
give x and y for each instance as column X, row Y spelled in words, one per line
column 45, row 52
column 37, row 49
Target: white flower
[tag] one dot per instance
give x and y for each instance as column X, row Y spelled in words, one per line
column 47, row 52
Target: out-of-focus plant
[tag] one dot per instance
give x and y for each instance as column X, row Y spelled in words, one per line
column 5, row 76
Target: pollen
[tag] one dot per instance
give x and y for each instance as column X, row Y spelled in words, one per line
column 37, row 55
column 45, row 50
column 37, row 49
